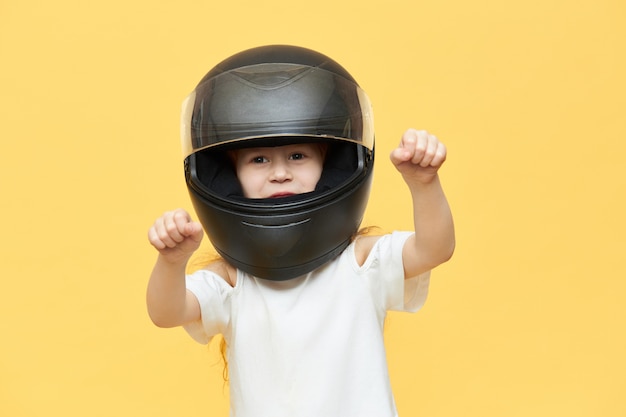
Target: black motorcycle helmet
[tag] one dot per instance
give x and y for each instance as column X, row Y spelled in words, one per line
column 272, row 96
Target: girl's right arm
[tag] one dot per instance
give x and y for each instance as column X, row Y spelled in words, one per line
column 176, row 237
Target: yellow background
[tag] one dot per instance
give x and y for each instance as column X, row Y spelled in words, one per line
column 527, row 319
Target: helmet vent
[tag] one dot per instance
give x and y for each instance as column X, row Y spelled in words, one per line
column 270, row 76
column 283, row 237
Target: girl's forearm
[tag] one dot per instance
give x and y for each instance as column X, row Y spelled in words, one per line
column 167, row 293
column 434, row 226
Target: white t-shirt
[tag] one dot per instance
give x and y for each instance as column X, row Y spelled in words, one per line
column 311, row 346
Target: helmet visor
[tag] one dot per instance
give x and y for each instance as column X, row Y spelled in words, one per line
column 275, row 101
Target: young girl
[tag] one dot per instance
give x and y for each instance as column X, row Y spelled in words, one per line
column 302, row 312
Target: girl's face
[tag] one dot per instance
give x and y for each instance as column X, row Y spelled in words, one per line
column 279, row 171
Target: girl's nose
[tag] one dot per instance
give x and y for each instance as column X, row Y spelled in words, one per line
column 280, row 172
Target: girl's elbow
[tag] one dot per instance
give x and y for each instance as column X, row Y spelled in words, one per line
column 449, row 252
column 162, row 321
column 443, row 255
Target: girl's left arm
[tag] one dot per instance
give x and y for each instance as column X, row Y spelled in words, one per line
column 418, row 158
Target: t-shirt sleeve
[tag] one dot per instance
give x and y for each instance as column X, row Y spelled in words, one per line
column 386, row 268
column 213, row 294
column 416, row 292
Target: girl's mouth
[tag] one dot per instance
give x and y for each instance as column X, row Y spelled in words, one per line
column 281, row 194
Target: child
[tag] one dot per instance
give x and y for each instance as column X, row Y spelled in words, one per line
column 304, row 337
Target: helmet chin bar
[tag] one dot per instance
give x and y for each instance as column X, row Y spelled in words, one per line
column 286, row 238
column 271, row 96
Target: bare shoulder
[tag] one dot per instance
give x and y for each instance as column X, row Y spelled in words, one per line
column 363, row 245
column 224, row 270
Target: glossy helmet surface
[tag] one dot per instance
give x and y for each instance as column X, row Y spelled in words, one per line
column 271, row 96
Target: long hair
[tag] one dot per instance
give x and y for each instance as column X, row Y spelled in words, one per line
column 223, row 353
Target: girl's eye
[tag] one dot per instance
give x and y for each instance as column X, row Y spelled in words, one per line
column 259, row 160
column 297, row 156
